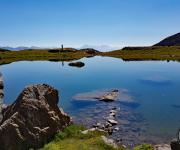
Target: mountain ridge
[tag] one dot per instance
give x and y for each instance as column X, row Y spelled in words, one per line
column 173, row 40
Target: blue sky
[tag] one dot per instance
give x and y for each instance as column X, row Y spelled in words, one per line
column 49, row 23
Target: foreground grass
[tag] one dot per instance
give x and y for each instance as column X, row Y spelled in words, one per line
column 72, row 139
column 146, row 53
column 144, row 147
column 30, row 55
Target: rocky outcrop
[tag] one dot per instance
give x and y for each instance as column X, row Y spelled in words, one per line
column 33, row 119
column 77, row 64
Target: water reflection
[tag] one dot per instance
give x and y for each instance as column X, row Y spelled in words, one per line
column 156, row 80
column 1, row 94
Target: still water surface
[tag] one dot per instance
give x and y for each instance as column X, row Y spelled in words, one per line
column 154, row 84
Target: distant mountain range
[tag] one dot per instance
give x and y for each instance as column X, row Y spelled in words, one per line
column 173, row 40
column 97, row 47
column 101, row 47
column 20, row 48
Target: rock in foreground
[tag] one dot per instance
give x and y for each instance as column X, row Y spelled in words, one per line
column 32, row 120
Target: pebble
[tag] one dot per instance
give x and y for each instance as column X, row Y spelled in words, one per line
column 109, row 141
column 162, row 147
column 113, row 122
column 116, row 129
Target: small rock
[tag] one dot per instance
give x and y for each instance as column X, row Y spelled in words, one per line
column 86, row 131
column 113, row 122
column 113, row 111
column 107, row 125
column 116, row 129
column 110, row 130
column 77, row 64
column 163, row 147
column 112, row 115
column 109, row 141
column 97, row 125
column 91, row 130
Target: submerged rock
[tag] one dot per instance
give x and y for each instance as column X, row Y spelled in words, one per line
column 33, row 119
column 109, row 97
column 77, row 64
column 120, row 95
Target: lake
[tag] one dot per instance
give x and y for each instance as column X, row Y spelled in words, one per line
column 155, row 85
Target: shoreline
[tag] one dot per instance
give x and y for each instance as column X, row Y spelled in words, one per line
column 98, row 126
column 166, row 53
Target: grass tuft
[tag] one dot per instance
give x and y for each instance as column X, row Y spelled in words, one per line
column 144, row 147
column 72, row 138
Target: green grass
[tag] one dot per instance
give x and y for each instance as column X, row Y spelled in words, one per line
column 72, row 139
column 144, row 147
column 146, row 53
column 34, row 55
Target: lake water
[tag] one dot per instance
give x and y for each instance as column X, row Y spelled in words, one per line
column 155, row 85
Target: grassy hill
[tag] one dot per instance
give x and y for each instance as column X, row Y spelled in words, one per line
column 146, row 53
column 173, row 40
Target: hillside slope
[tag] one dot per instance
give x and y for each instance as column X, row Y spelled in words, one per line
column 173, row 40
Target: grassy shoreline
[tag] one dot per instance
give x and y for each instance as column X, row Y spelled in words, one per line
column 72, row 138
column 146, row 53
column 128, row 54
column 33, row 55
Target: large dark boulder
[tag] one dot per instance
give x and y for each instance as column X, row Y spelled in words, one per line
column 33, row 119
